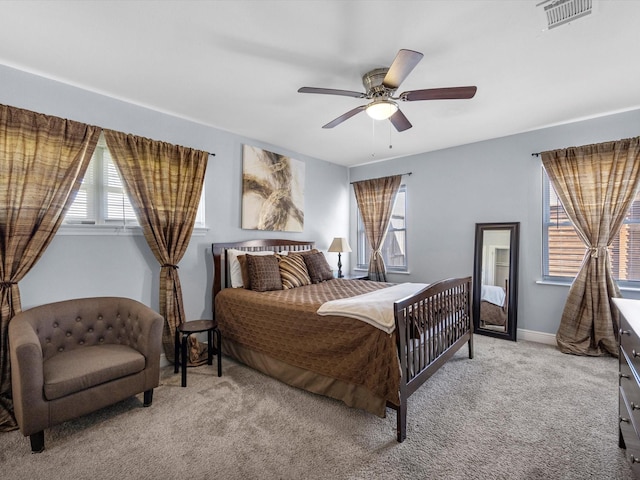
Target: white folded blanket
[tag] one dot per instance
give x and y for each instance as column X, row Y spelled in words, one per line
column 374, row 308
column 493, row 294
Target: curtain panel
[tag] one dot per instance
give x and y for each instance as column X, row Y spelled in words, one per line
column 375, row 199
column 164, row 183
column 596, row 185
column 42, row 162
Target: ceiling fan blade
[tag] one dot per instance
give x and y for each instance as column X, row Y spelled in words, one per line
column 332, row 91
column 344, row 116
column 401, row 67
column 400, row 121
column 450, row 93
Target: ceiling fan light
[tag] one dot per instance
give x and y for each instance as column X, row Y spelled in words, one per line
column 382, row 109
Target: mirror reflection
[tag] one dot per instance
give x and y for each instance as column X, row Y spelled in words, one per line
column 495, row 279
column 494, row 303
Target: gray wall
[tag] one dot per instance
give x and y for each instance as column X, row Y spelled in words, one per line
column 449, row 192
column 493, row 181
column 98, row 265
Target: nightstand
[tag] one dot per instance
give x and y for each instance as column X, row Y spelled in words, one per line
column 181, row 344
column 350, row 276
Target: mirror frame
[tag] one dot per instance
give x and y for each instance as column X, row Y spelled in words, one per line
column 512, row 312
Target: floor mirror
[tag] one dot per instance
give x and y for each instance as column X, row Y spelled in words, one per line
column 495, row 279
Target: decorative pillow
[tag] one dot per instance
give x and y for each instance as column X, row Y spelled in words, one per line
column 244, row 270
column 264, row 272
column 284, row 253
column 235, row 272
column 319, row 269
column 293, row 271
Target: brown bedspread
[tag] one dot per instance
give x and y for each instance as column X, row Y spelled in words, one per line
column 283, row 324
column 492, row 314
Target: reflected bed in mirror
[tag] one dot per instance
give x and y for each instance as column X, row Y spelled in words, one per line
column 495, row 279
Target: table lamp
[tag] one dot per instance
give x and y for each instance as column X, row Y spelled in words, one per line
column 339, row 245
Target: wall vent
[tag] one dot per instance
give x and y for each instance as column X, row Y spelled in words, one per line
column 559, row 12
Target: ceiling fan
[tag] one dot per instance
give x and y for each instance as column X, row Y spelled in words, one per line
column 381, row 84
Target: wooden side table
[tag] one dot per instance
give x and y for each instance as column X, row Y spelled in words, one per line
column 196, row 326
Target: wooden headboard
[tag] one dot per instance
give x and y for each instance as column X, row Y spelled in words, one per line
column 221, row 265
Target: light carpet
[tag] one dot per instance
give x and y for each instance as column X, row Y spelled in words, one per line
column 516, row 411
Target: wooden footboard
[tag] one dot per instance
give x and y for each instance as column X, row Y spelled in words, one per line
column 431, row 327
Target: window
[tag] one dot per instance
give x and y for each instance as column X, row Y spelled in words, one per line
column 394, row 249
column 102, row 200
column 563, row 250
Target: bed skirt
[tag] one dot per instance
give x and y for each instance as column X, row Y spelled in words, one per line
column 354, row 396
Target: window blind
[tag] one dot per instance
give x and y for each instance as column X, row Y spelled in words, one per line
column 118, row 208
column 83, row 208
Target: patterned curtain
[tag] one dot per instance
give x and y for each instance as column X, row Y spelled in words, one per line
column 42, row 162
column 375, row 200
column 164, row 184
column 596, row 185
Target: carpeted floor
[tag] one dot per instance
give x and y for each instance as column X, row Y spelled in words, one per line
column 516, row 411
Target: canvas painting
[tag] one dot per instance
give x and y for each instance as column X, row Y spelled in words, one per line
column 272, row 191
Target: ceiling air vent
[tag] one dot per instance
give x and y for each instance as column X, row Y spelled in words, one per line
column 559, row 12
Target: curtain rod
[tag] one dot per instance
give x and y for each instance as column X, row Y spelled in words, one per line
column 535, row 154
column 406, row 173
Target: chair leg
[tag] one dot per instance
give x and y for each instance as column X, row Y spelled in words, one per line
column 37, row 442
column 148, row 397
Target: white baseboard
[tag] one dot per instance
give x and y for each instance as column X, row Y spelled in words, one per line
column 539, row 337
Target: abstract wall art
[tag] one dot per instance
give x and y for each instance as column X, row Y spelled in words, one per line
column 272, row 191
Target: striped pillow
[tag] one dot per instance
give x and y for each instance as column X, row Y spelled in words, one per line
column 293, row 271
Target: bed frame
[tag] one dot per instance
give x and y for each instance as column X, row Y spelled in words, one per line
column 431, row 326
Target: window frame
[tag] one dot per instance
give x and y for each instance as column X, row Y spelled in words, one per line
column 362, row 256
column 97, row 223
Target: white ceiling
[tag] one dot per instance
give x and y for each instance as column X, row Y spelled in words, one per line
column 237, row 65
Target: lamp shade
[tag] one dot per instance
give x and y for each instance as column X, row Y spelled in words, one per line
column 381, row 109
column 339, row 244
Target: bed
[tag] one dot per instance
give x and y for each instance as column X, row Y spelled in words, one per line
column 494, row 302
column 281, row 334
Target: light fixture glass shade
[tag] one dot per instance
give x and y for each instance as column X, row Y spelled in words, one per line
column 339, row 244
column 381, row 109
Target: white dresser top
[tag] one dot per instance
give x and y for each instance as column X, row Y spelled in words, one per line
column 631, row 310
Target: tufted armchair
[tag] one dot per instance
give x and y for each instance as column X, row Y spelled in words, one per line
column 76, row 356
